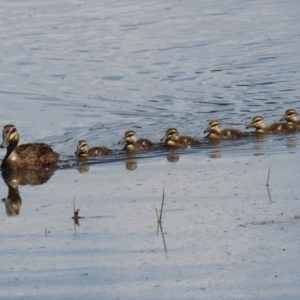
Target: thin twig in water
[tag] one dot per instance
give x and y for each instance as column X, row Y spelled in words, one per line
column 76, row 217
column 269, row 194
column 162, row 205
column 159, row 221
column 268, row 177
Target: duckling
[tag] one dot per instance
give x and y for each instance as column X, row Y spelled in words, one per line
column 26, row 156
column 135, row 144
column 83, row 150
column 291, row 118
column 258, row 122
column 173, row 139
column 215, row 131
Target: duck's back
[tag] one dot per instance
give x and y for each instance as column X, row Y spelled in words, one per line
column 231, row 133
column 37, row 155
column 143, row 144
column 187, row 141
column 98, row 151
column 279, row 127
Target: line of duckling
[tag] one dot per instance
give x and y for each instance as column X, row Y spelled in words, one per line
column 41, row 155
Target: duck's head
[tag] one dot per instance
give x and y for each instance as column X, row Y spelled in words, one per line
column 213, row 127
column 172, row 134
column 10, row 136
column 290, row 115
column 82, row 149
column 257, row 122
column 129, row 138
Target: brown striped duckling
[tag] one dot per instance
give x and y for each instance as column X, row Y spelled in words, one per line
column 173, row 139
column 291, row 118
column 84, row 151
column 26, row 156
column 258, row 122
column 215, row 132
column 135, row 144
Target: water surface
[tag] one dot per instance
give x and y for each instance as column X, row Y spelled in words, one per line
column 91, row 70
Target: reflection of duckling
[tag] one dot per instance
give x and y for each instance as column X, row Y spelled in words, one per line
column 83, row 150
column 215, row 131
column 291, row 118
column 134, row 144
column 173, row 158
column 131, row 165
column 258, row 122
column 173, row 139
column 26, row 156
column 83, row 169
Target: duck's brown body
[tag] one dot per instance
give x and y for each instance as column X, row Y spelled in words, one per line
column 215, row 132
column 26, row 156
column 259, row 124
column 173, row 139
column 291, row 118
column 83, row 150
column 134, row 144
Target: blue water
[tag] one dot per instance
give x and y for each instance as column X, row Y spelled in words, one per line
column 92, row 70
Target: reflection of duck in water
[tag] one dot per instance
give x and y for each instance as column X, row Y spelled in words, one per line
column 215, row 132
column 83, row 168
column 15, row 177
column 291, row 118
column 131, row 165
column 173, row 139
column 173, row 158
column 259, row 124
column 13, row 200
column 84, row 151
column 135, row 144
column 26, row 156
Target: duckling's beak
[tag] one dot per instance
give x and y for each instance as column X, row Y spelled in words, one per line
column 206, row 130
column 5, row 143
column 122, row 141
column 283, row 119
column 207, row 136
column 163, row 139
column 249, row 126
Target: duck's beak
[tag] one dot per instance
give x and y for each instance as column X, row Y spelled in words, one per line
column 206, row 130
column 249, row 125
column 164, row 138
column 77, row 152
column 122, row 141
column 283, row 119
column 207, row 136
column 5, row 143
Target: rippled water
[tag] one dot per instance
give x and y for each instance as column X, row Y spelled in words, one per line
column 90, row 70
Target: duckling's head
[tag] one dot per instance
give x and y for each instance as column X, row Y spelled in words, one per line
column 213, row 127
column 172, row 135
column 257, row 122
column 82, row 149
column 129, row 138
column 10, row 136
column 290, row 115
